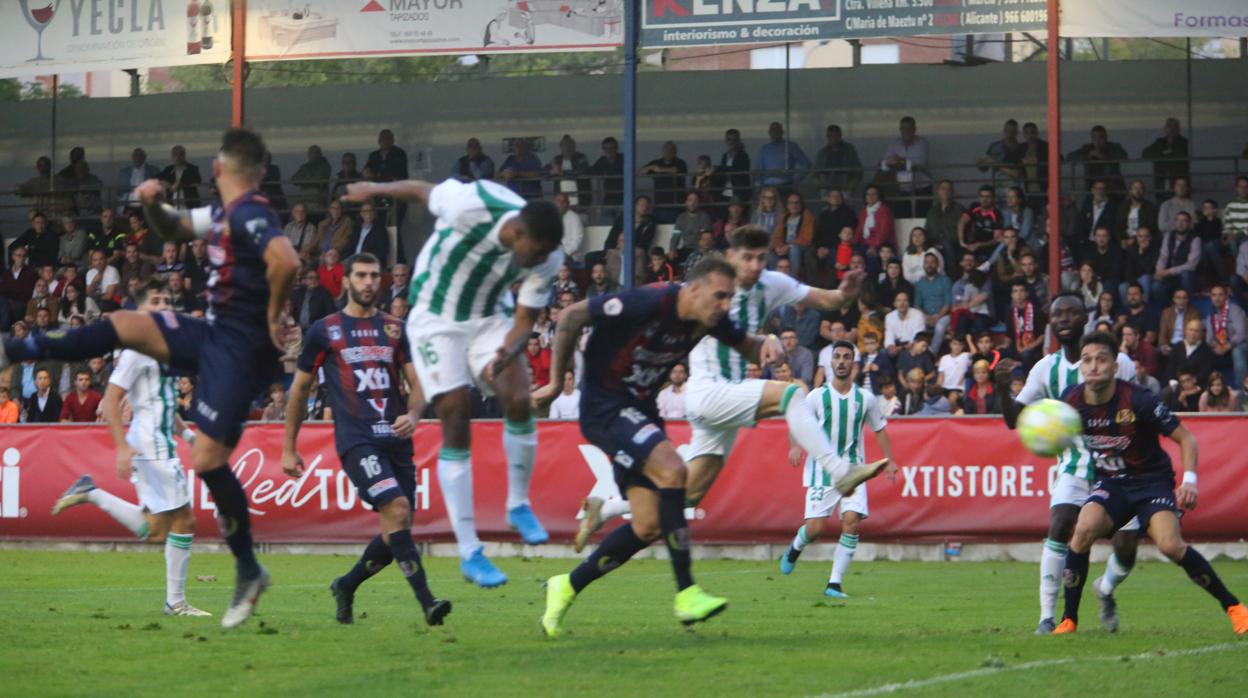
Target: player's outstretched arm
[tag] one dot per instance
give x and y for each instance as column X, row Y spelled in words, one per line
column 572, row 320
column 829, row 300
column 163, row 219
column 296, row 412
column 282, row 265
column 408, row 190
column 110, row 408
column 1186, row 494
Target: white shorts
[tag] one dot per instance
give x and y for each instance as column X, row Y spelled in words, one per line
column 161, row 484
column 820, row 501
column 1073, row 490
column 450, row 355
column 717, row 410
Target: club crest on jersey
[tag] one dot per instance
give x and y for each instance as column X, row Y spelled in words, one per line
column 1124, row 417
column 392, row 331
column 335, row 333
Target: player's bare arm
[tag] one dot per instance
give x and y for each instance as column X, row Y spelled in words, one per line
column 516, row 341
column 164, row 220
column 110, row 408
column 296, row 412
column 764, row 350
column 281, row 267
column 886, row 445
column 405, row 426
column 1186, row 495
column 571, row 321
column 408, row 190
column 829, row 300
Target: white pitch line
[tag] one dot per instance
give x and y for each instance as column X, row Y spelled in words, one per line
column 915, row 684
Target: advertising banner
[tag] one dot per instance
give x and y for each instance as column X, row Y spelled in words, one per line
column 278, row 29
column 1179, row 18
column 965, row 480
column 43, row 37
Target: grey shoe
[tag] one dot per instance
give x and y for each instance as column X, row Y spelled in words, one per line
column 182, row 608
column 246, row 593
column 75, row 495
column 1046, row 627
column 1109, row 608
column 858, row 475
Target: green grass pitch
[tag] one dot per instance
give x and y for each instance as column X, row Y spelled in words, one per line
column 90, row 624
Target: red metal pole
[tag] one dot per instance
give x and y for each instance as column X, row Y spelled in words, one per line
column 239, row 46
column 1055, row 148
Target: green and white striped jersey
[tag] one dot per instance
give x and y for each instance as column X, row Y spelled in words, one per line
column 716, row 361
column 1048, row 379
column 464, row 272
column 153, row 401
column 842, row 416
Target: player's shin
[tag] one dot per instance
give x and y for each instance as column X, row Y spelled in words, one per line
column 95, row 339
column 375, row 558
column 231, row 500
column 1075, row 576
column 408, row 561
column 520, row 446
column 1115, row 573
column 455, row 479
column 616, row 549
column 1201, row 572
column 676, row 535
column 121, row 511
column 844, row 554
column 805, row 430
column 1052, row 562
column 177, row 561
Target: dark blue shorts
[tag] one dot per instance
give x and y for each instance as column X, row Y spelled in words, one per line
column 1127, row 496
column 627, row 433
column 232, row 364
column 380, row 475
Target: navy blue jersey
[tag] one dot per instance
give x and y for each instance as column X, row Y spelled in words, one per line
column 1125, row 433
column 636, row 341
column 363, row 360
column 237, row 237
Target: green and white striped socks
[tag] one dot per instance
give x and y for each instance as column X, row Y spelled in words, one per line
column 177, row 559
column 1052, row 564
column 844, row 554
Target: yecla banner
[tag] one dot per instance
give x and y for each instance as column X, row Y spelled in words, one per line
column 960, row 480
column 42, row 37
column 281, row 29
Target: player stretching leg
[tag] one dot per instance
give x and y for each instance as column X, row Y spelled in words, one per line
column 1048, row 379
column 721, row 399
column 146, row 457
column 637, row 337
column 235, row 352
column 486, row 238
column 843, row 409
column 362, row 351
column 1123, row 425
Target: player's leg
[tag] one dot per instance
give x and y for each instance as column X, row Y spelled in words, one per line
column 1095, row 522
column 1117, row 567
column 1163, row 528
column 374, row 559
column 703, row 471
column 1067, row 496
column 511, row 386
column 845, row 548
column 85, row 491
column 789, row 400
column 180, row 523
column 820, row 502
column 127, row 328
column 396, row 521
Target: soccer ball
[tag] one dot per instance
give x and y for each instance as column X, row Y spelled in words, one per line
column 1049, row 427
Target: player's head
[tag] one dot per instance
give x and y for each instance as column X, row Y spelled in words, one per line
column 708, row 290
column 241, row 157
column 539, row 229
column 363, row 273
column 748, row 253
column 1067, row 316
column 1098, row 359
column 152, row 297
column 842, row 359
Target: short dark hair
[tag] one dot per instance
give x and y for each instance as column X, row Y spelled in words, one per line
column 148, row 288
column 657, row 251
column 750, row 237
column 1067, row 294
column 542, row 221
column 245, row 147
column 710, row 264
column 82, row 372
column 360, row 258
column 988, row 188
column 1103, row 339
column 844, row 344
column 784, row 330
column 1135, row 284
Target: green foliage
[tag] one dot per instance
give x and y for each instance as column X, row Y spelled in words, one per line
column 12, row 90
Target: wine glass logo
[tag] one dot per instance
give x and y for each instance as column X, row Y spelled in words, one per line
column 38, row 18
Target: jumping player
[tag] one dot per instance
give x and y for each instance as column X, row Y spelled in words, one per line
column 843, row 409
column 1123, row 425
column 146, row 457
column 720, row 399
column 235, row 351
column 362, row 350
column 1048, row 379
column 466, row 329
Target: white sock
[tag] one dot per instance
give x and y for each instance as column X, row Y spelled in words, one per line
column 520, row 445
column 805, row 430
column 1052, row 564
column 843, row 555
column 455, row 479
column 800, row 540
column 614, row 507
column 1115, row 573
column 177, row 559
column 123, row 512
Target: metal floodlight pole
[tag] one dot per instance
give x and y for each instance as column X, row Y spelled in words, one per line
column 1055, row 148
column 631, row 21
column 238, row 55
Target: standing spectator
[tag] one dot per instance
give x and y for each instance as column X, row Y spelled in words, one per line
column 311, row 302
column 906, row 160
column 599, row 282
column 40, row 242
column 1208, row 229
column 1140, row 266
column 1217, row 397
column 837, row 165
column 793, row 235
column 1136, row 211
column 1098, row 210
column 182, row 180
column 782, row 162
column 979, row 231
column 539, row 361
column 690, row 225
column 389, row 164
column 734, row 168
column 1235, row 215
column 568, row 405
column 347, row 174
column 570, row 170
column 1179, row 257
column 81, row 404
column 573, row 230
column 609, row 169
column 671, row 399
column 271, row 185
column 1169, row 156
column 138, row 171
column 1192, row 354
column 312, row 180
column 1026, row 323
column 300, row 231
column 522, row 170
column 1227, row 330
column 334, row 232
column 474, row 164
column 876, row 228
column 1181, row 201
column 86, row 192
column 668, row 174
column 372, row 237
column 944, row 220
column 44, row 406
column 1005, row 158
column 1101, row 160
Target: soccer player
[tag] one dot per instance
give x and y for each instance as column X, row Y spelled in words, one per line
column 465, row 329
column 843, row 408
column 1048, row 379
column 1123, row 425
column 720, row 398
column 235, row 351
column 362, row 351
column 146, row 457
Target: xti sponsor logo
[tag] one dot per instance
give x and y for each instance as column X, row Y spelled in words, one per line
column 372, row 379
column 10, row 486
column 973, row 481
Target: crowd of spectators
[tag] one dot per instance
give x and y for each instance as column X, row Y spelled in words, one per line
column 967, row 284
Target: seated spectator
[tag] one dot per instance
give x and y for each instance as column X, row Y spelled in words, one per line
column 331, row 273
column 935, row 404
column 573, row 230
column 836, row 164
column 766, row 213
column 892, row 283
column 107, row 236
column 599, row 282
column 1019, row 216
column 334, row 232
column 887, row 399
column 44, row 406
column 169, row 263
column 570, row 170
column 1027, row 322
column 690, row 224
column 42, row 300
column 82, row 404
column 753, row 372
column 981, row 397
column 1143, row 377
column 1213, row 246
column 539, row 361
column 300, row 231
column 1037, row 282
column 1183, row 394
column 41, row 241
column 915, row 252
column 905, row 162
column 1174, row 321
column 933, row 294
column 865, row 317
column 706, row 246
column 1139, row 265
column 1101, row 158
column 874, row 366
column 276, row 409
column 793, row 235
column 1241, row 397
column 876, row 227
column 1192, row 354
column 735, row 218
column 474, row 164
column 182, row 180
column 1103, row 313
column 704, row 179
column 10, row 411
column 77, row 304
column 312, row 181
column 1179, row 257
column 668, row 174
column 784, row 374
column 372, row 237
column 568, row 405
column 72, row 245
column 311, row 302
column 943, row 222
column 801, row 318
column 186, row 390
column 659, row 270
column 782, row 162
column 1136, row 211
column 198, row 267
column 1140, row 350
column 734, row 168
column 917, row 356
column 1217, row 397
column 133, row 266
column 1106, row 259
column 180, row 299
column 150, row 244
column 985, row 350
column 952, row 369
column 102, row 282
column 1227, row 330
column 1005, row 157
column 971, row 297
column 901, row 325
column 1181, row 201
column 1089, row 286
column 346, row 175
column 916, row 392
column 609, row 168
column 671, row 399
column 643, row 237
column 979, row 231
column 799, row 358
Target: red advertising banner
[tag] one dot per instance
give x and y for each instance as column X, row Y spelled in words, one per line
column 965, row 479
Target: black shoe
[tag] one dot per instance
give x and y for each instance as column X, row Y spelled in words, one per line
column 437, row 611
column 345, row 600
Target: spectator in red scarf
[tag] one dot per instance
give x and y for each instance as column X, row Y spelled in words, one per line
column 1026, row 323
